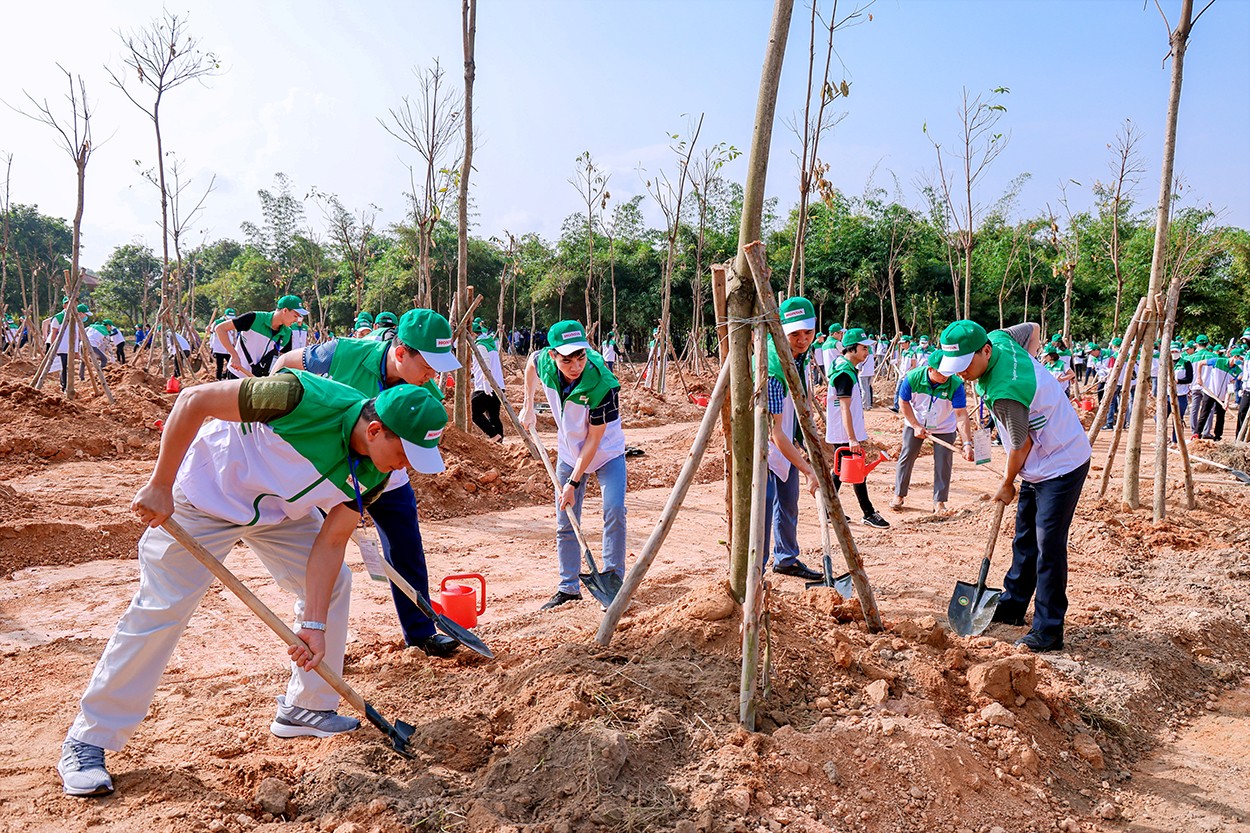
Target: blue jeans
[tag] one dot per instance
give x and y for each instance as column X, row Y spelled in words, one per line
column 1039, row 563
column 1182, row 402
column 395, row 515
column 781, row 519
column 611, row 477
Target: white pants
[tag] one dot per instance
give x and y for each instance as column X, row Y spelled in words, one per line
column 171, row 584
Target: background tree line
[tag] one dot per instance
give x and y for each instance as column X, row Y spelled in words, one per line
column 870, row 260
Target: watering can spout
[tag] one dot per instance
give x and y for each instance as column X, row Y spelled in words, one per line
column 883, row 458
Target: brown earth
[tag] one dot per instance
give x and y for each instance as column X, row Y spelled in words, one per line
column 1138, row 725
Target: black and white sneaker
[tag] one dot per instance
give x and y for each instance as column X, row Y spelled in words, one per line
column 296, row 722
column 876, row 521
column 82, row 769
column 561, row 598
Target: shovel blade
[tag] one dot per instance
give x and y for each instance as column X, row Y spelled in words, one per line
column 398, row 734
column 463, row 635
column 972, row 608
column 843, row 585
column 603, row 586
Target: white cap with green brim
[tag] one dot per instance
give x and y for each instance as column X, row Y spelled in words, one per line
column 797, row 314
column 960, row 340
column 419, row 419
column 567, row 337
column 427, row 332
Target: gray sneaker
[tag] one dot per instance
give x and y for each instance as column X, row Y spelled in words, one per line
column 82, row 769
column 295, row 722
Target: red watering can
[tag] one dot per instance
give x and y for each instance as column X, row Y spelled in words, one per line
column 459, row 602
column 851, row 467
column 700, row 399
column 173, row 385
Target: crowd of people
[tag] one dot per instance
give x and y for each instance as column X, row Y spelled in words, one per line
column 303, row 434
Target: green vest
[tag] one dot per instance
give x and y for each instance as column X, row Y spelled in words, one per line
column 360, row 363
column 918, row 380
column 591, row 388
column 1009, row 374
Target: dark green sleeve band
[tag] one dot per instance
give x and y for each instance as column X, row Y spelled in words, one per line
column 264, row 399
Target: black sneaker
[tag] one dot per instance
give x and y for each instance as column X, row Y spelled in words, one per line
column 82, row 769
column 561, row 598
column 1040, row 643
column 876, row 521
column 438, row 645
column 799, row 570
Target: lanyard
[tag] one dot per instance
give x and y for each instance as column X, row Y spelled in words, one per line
column 352, row 462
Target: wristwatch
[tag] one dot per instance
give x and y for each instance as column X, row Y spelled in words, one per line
column 576, row 484
column 309, row 625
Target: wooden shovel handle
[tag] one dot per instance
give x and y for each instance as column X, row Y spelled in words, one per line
column 959, row 453
column 231, row 581
column 995, row 524
column 555, row 481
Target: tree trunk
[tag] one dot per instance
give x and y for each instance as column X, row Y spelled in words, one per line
column 741, row 300
column 469, row 32
column 1132, row 462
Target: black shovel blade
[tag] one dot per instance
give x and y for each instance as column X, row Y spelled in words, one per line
column 398, row 734
column 603, row 586
column 1241, row 475
column 972, row 608
column 463, row 635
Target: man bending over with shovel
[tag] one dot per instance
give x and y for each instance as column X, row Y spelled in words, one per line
column 273, row 455
column 1047, row 448
column 584, row 399
column 419, row 348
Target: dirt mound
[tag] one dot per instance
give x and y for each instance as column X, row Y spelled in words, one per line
column 481, row 476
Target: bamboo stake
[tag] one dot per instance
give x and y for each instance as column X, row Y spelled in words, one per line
column 49, row 356
column 665, row 522
column 720, row 306
column 753, row 604
column 1130, row 334
column 814, row 441
column 1183, row 445
column 1120, row 416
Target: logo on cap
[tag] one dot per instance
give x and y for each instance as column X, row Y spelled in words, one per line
column 442, row 342
column 951, row 348
column 795, row 313
column 571, row 334
column 434, row 435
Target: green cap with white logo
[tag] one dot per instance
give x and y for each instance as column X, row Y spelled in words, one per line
column 230, row 313
column 855, row 335
column 292, row 302
column 427, row 332
column 386, row 319
column 960, row 340
column 418, row 418
column 797, row 314
column 567, row 337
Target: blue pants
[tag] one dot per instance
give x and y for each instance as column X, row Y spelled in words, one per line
column 1039, row 563
column 395, row 515
column 1182, row 401
column 611, row 477
column 781, row 519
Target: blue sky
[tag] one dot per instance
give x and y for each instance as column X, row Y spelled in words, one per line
column 304, row 84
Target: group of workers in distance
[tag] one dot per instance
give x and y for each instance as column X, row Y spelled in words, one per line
column 1047, row 450
column 306, row 438
column 288, row 456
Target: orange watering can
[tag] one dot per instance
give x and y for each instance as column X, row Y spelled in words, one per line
column 460, row 602
column 851, row 467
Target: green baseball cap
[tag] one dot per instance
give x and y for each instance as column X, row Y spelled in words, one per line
column 1237, row 351
column 904, row 338
column 797, row 313
column 108, row 322
column 1202, row 339
column 923, row 340
column 960, row 340
column 480, row 327
column 418, row 418
column 855, row 335
column 230, row 312
column 292, row 302
column 364, row 316
column 1117, row 341
column 835, row 328
column 935, row 361
column 1245, row 334
column 567, row 337
column 84, row 308
column 427, row 332
column 386, row 319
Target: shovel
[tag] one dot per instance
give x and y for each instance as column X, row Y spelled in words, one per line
column 453, row 629
column 843, row 585
column 603, row 586
column 398, row 733
column 1237, row 473
column 972, row 606
column 959, row 455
